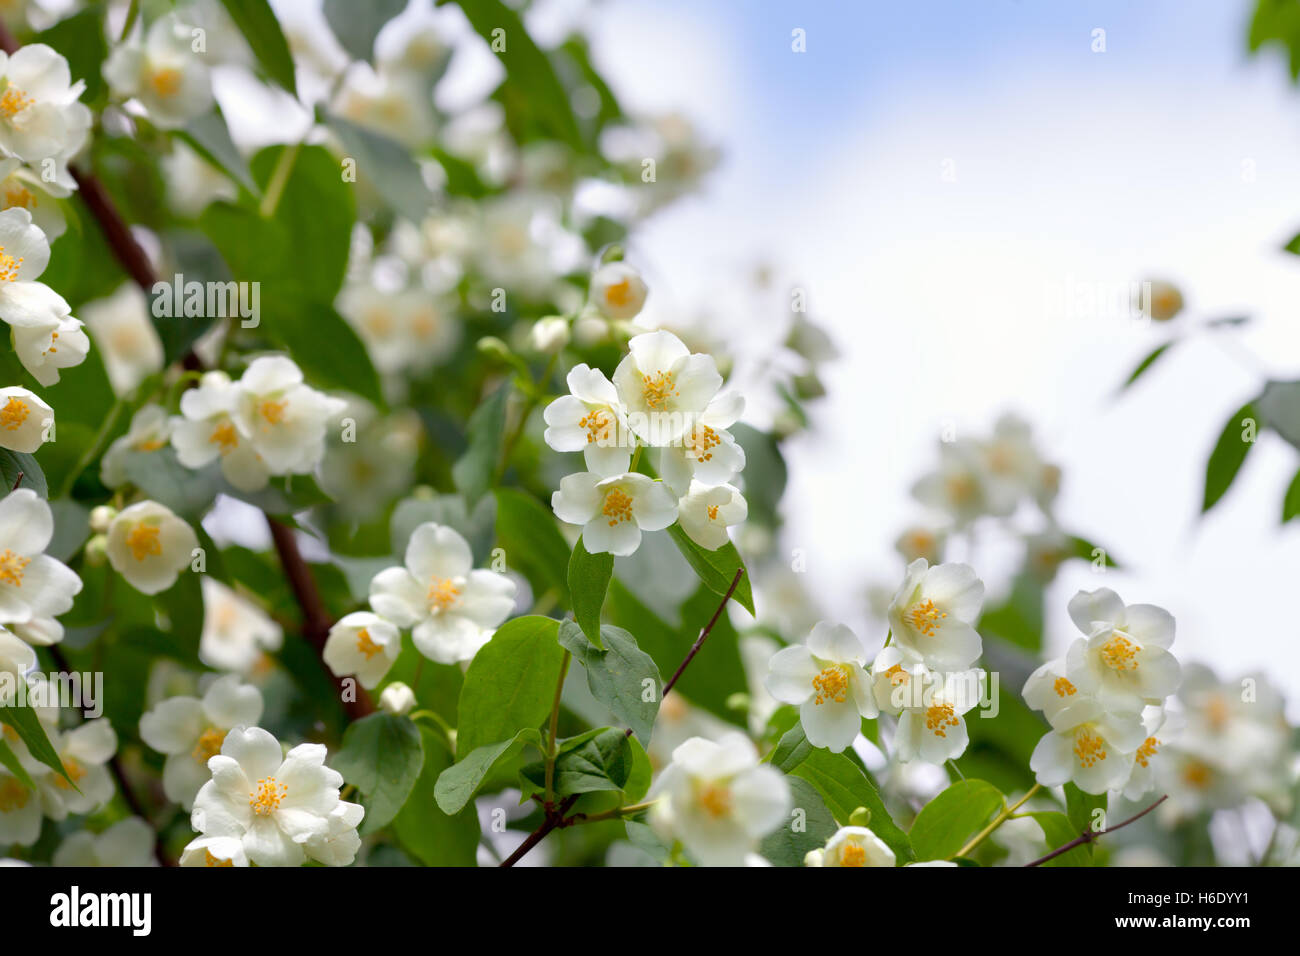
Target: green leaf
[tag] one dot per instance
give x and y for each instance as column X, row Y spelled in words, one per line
column 1291, row 503
column 1086, row 550
column 435, row 838
column 459, row 782
column 944, row 824
column 617, row 675
column 765, row 474
column 474, row 470
column 532, row 542
column 588, row 578
column 209, row 136
column 9, row 760
column 1279, row 406
column 15, row 463
column 1057, row 832
column 1081, row 808
column 1229, row 453
column 381, row 756
column 843, row 786
column 329, row 351
column 162, row 478
column 356, row 24
column 790, row 844
column 717, row 569
column 386, row 165
column 260, row 28
column 510, row 684
column 1145, row 364
column 600, row 760
column 23, row 720
column 80, row 38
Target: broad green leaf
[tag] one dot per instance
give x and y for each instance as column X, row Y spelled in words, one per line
column 329, row 351
column 1229, row 453
column 386, row 165
column 356, row 24
column 381, row 756
column 474, row 470
column 1145, row 365
column 9, row 760
column 589, row 576
column 209, row 136
column 842, row 785
column 765, row 474
column 15, row 463
column 80, row 38
column 432, row 836
column 1086, row 550
column 619, row 674
column 162, row 478
column 532, row 542
column 459, row 782
column 1057, row 832
column 24, row 721
column 1279, row 406
column 510, row 684
column 258, row 24
column 717, row 569
column 1082, row 809
column 602, row 761
column 808, row 827
column 1291, row 502
column 944, row 824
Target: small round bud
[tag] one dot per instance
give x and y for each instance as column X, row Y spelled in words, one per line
column 491, row 345
column 101, row 517
column 397, row 699
column 860, row 817
column 96, row 551
column 550, row 334
column 618, row 291
column 590, row 330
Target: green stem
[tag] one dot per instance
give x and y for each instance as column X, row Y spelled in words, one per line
column 997, row 821
column 552, row 740
column 279, row 179
column 614, row 814
column 534, row 399
column 132, row 14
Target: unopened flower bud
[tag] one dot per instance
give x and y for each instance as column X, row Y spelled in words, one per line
column 397, row 699
column 101, row 517
column 550, row 334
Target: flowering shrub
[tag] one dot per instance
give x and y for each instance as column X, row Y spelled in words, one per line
column 355, row 513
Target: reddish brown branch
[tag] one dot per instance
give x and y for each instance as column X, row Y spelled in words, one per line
column 1087, row 836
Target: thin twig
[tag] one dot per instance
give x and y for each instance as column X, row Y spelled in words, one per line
column 1087, row 836
column 699, row 641
column 553, row 820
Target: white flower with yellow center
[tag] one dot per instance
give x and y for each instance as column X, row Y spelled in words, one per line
column 33, row 585
column 23, row 188
column 40, row 117
column 962, row 487
column 1090, row 746
column 85, row 752
column 852, row 846
column 452, row 608
column 1049, row 690
column 149, row 546
column 149, row 431
column 20, row 811
column 124, row 336
column 56, row 342
column 402, row 330
column 718, row 799
column 236, row 631
column 706, row 451
column 25, row 420
column 932, row 613
column 706, row 513
column 614, row 511
column 664, row 387
column 1124, row 659
column 284, row 418
column 894, row 676
column 190, row 731
column 214, row 851
column 922, row 541
column 206, row 431
column 283, row 808
column 128, row 842
column 618, row 291
column 163, row 72
column 592, row 420
column 362, row 644
column 826, row 681
column 932, row 724
column 1160, row 725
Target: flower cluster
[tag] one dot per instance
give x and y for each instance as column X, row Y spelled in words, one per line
column 1105, row 699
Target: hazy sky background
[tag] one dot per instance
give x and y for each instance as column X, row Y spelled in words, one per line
column 1170, row 154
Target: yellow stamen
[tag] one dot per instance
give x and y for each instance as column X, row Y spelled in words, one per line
column 1120, row 654
column 716, row 799
column 713, row 512
column 19, row 196
column 443, row 593
column 853, row 855
column 165, row 82
column 939, row 717
column 266, row 799
column 701, row 442
column 273, row 411
column 208, row 746
column 366, row 644
column 210, row 860
column 75, row 770
column 597, row 423
column 1089, row 747
column 620, row 293
column 9, row 267
column 925, row 617
column 617, row 507
column 658, row 389
column 1063, row 687
column 897, row 675
column 13, row 795
column 225, row 436
column 12, row 567
column 831, row 684
column 143, row 541
column 1147, row 750
column 13, row 101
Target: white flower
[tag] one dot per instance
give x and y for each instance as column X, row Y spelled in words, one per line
column 235, row 631
column 163, row 72
column 894, row 673
column 932, row 725
column 193, row 183
column 32, row 584
column 1124, row 658
column 363, row 644
column 920, row 541
column 284, row 418
column 149, row 431
column 706, row 513
column 550, row 334
column 618, row 291
column 190, row 731
column 961, row 486
column 16, row 659
column 214, row 851
column 452, row 608
column 932, row 613
column 706, row 450
column 1089, row 746
column 852, row 846
column 1147, row 761
column 402, row 330
column 826, row 680
column 149, row 546
column 25, row 419
column 20, row 812
column 127, row 842
column 664, row 387
column 397, row 699
column 21, row 187
column 614, row 511
column 389, row 103
column 84, row 751
column 207, row 431
column 55, row 343
column 126, row 339
column 1013, row 463
column 719, row 800
column 282, row 808
column 591, row 420
column 1049, row 690
column 40, row 117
